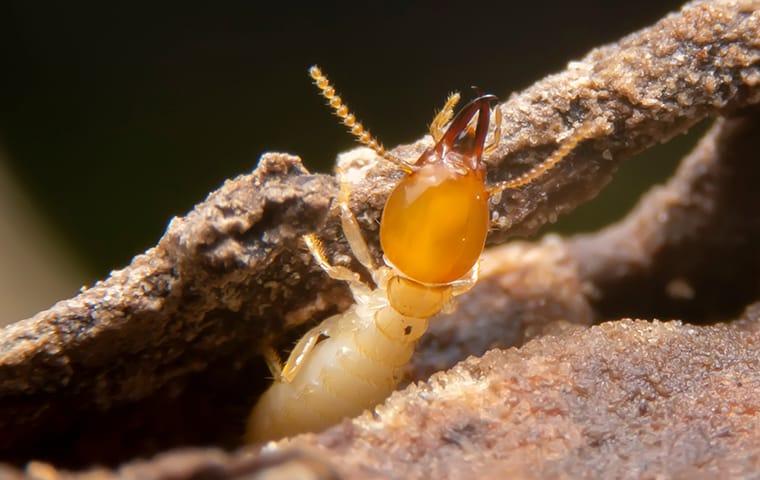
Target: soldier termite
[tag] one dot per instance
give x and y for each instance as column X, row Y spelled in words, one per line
column 433, row 230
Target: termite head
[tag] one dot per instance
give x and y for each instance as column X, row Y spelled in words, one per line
column 435, row 221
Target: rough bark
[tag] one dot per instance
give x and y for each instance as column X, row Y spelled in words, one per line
column 164, row 352
column 690, row 248
column 626, row 399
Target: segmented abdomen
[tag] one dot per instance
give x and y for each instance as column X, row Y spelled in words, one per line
column 354, row 369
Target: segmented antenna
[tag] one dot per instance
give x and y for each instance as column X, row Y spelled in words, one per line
column 348, row 119
column 584, row 132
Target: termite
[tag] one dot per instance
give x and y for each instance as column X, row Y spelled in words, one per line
column 432, row 233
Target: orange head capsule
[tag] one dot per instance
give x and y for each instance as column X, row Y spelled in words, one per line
column 435, row 221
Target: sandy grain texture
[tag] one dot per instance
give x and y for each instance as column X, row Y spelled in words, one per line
column 164, row 352
column 626, row 399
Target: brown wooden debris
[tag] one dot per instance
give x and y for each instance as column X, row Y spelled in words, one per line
column 689, row 249
column 164, row 353
column 626, row 399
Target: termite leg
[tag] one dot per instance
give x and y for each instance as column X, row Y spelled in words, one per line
column 307, row 343
column 351, row 229
column 466, row 285
column 496, row 138
column 462, row 286
column 443, row 117
column 274, row 363
column 586, row 131
column 303, row 348
column 336, row 272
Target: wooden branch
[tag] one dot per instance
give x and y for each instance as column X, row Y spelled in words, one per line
column 169, row 344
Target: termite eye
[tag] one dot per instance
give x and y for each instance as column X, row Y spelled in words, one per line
column 435, row 223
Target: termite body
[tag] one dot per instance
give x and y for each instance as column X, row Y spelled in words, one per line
column 433, row 230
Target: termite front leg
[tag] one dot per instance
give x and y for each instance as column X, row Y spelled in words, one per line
column 306, row 344
column 359, row 247
column 336, row 272
column 352, row 231
column 443, row 117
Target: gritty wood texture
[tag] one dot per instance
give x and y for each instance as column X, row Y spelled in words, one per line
column 164, row 352
column 624, row 399
column 690, row 248
column 627, row 399
column 648, row 87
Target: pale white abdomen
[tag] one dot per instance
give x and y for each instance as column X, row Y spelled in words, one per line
column 357, row 367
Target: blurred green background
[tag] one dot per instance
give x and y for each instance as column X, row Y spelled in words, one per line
column 116, row 117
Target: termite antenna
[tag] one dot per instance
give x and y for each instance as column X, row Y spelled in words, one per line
column 348, row 119
column 584, row 132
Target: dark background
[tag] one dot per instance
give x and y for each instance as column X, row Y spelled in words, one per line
column 116, row 117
